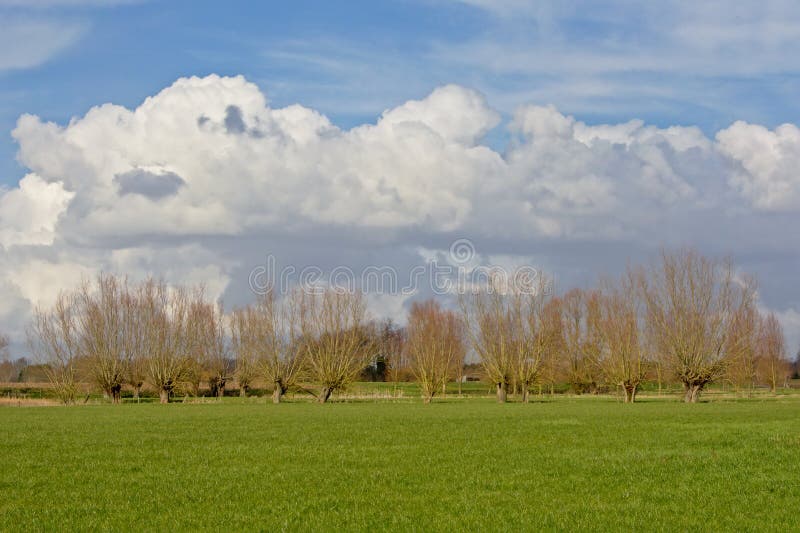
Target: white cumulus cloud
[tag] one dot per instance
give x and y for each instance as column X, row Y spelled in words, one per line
column 769, row 161
column 28, row 214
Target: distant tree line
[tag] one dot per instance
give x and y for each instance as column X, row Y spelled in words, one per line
column 683, row 319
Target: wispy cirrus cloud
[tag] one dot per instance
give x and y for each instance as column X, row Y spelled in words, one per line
column 665, row 61
column 35, row 31
column 27, row 42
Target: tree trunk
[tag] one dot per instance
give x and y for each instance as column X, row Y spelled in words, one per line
column 502, row 392
column 116, row 394
column 525, row 394
column 163, row 395
column 630, row 392
column 324, row 395
column 137, row 392
column 243, row 391
column 276, row 394
column 692, row 392
column 696, row 393
column 428, row 391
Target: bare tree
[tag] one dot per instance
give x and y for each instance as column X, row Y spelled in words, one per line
column 265, row 337
column 537, row 329
column 434, row 344
column 391, row 346
column 741, row 345
column 335, row 338
column 135, row 342
column 102, row 334
column 774, row 365
column 164, row 313
column 247, row 345
column 12, row 370
column 52, row 338
column 457, row 366
column 507, row 328
column 554, row 363
column 623, row 357
column 582, row 338
column 691, row 301
column 9, row 370
column 284, row 356
column 208, row 342
column 490, row 330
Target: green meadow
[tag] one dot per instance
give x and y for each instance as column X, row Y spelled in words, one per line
column 570, row 463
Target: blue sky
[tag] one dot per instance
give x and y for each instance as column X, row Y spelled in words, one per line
column 601, row 61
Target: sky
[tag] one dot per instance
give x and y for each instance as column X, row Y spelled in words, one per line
column 193, row 140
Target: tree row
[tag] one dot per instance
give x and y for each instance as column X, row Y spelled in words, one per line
column 684, row 318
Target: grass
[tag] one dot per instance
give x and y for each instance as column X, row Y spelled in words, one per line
column 570, row 463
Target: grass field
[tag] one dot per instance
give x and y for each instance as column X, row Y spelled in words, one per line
column 569, row 463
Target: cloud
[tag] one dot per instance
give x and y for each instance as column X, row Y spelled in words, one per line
column 153, row 185
column 28, row 213
column 768, row 163
column 32, row 35
column 234, row 123
column 28, row 42
column 204, row 178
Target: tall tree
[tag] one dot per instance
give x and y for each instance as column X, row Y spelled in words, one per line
column 623, row 358
column 136, row 333
column 510, row 331
column 489, row 322
column 741, row 346
column 265, row 339
column 582, row 338
column 434, row 344
column 537, row 329
column 772, row 352
column 247, row 345
column 209, row 343
column 101, row 332
column 336, row 340
column 53, row 341
column 164, row 314
column 391, row 346
column 691, row 301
